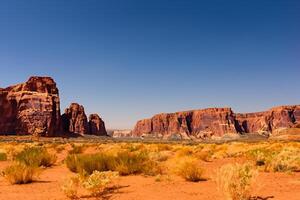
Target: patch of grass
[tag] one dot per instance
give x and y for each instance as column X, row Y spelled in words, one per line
column 36, row 157
column 3, row 157
column 287, row 160
column 20, row 174
column 130, row 162
column 87, row 163
column 76, row 149
column 184, row 151
column 235, row 181
column 125, row 162
column 283, row 159
column 190, row 170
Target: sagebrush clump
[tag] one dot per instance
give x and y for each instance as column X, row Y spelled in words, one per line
column 20, row 173
column 235, row 181
column 190, row 170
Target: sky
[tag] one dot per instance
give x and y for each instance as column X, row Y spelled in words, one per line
column 128, row 60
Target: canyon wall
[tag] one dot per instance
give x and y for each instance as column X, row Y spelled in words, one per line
column 217, row 122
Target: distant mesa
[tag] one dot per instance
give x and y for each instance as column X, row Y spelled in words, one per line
column 33, row 108
column 217, row 123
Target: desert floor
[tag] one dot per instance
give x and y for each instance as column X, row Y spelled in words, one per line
column 269, row 185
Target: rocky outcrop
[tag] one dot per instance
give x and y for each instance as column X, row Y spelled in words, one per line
column 217, row 122
column 32, row 108
column 96, row 125
column 74, row 120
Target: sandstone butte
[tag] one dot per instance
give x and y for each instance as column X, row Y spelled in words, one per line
column 33, row 108
column 217, row 122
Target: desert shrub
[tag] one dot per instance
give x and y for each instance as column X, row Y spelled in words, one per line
column 125, row 162
column 204, row 155
column 76, row 149
column 70, row 187
column 159, row 156
column 97, row 182
column 280, row 160
column 36, row 156
column 190, row 170
column 134, row 147
column 184, row 151
column 59, row 148
column 3, row 156
column 261, row 156
column 235, row 181
column 20, row 173
column 86, row 164
column 287, row 160
column 130, row 162
column 164, row 147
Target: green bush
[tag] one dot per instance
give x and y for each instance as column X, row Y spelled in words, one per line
column 36, row 157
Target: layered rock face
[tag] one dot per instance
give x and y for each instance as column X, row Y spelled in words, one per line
column 32, row 108
column 217, row 122
column 96, row 125
column 74, row 120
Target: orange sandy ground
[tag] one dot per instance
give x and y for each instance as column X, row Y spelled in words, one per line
column 282, row 186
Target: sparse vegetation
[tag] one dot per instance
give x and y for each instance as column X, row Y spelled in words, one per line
column 235, row 181
column 87, row 163
column 20, row 173
column 70, row 187
column 76, row 149
column 125, row 162
column 36, row 157
column 95, row 184
column 277, row 160
column 3, row 156
column 190, row 170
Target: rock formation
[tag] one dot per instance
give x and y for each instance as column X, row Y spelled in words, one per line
column 74, row 120
column 30, row 108
column 217, row 122
column 96, row 125
column 33, row 108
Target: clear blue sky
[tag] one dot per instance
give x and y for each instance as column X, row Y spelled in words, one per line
column 128, row 60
